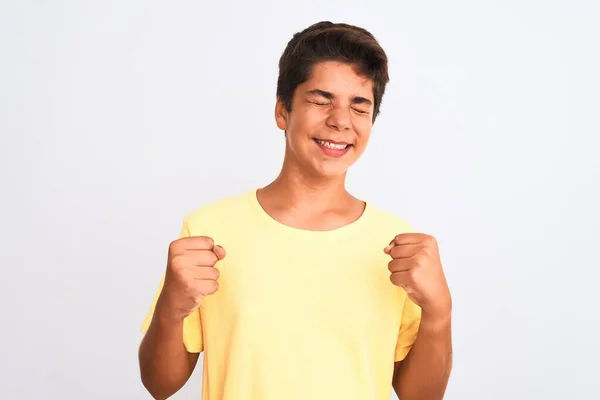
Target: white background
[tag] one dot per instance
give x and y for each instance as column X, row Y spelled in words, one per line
column 117, row 118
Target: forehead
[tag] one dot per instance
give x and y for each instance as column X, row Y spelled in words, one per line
column 339, row 78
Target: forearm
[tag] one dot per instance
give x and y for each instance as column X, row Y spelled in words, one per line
column 164, row 361
column 424, row 374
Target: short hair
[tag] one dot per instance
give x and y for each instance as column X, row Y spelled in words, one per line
column 328, row 41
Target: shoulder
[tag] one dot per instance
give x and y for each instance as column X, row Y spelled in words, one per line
column 389, row 221
column 218, row 208
column 219, row 213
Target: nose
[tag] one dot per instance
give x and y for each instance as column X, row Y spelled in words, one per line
column 339, row 119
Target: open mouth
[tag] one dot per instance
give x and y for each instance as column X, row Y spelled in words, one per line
column 332, row 145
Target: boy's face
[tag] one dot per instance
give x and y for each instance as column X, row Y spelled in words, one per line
column 330, row 122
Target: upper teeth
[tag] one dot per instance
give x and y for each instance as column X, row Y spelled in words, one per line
column 332, row 145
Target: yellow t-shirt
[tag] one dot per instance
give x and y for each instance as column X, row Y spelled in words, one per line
column 299, row 314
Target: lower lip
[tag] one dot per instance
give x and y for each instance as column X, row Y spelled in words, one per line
column 333, row 152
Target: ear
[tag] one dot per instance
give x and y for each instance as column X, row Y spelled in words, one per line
column 281, row 115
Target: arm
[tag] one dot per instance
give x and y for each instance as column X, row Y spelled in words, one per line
column 416, row 267
column 170, row 348
column 165, row 364
column 425, row 372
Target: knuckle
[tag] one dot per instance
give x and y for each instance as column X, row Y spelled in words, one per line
column 392, row 265
column 430, row 240
column 413, row 276
column 177, row 261
column 205, row 258
column 191, row 291
column 209, row 258
column 211, row 286
column 210, row 273
column 399, row 252
column 421, row 259
column 207, row 287
column 425, row 250
column 207, row 241
column 174, row 246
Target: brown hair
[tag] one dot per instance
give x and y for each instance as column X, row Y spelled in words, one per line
column 328, row 41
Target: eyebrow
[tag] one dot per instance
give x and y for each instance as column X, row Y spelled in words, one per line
column 331, row 96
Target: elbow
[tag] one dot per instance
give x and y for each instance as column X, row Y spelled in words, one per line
column 150, row 383
column 151, row 378
column 150, row 389
column 154, row 387
column 155, row 392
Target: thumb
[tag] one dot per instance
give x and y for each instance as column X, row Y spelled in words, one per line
column 219, row 251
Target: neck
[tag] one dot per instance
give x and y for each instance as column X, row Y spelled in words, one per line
column 299, row 190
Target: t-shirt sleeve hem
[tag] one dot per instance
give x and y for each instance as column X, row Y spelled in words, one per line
column 193, row 347
column 401, row 353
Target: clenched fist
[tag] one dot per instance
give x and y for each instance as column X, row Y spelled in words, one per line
column 191, row 275
column 416, row 267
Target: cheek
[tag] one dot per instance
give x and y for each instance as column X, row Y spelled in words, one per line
column 363, row 136
column 298, row 133
column 306, row 124
column 362, row 126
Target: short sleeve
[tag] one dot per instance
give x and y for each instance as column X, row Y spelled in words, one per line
column 192, row 325
column 411, row 318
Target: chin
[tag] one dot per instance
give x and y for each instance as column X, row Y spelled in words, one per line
column 331, row 170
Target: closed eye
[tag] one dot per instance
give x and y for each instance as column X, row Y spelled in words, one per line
column 359, row 111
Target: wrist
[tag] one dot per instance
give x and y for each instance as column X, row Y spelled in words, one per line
column 167, row 315
column 431, row 321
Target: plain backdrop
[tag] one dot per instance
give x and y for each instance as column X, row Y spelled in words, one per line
column 117, row 118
